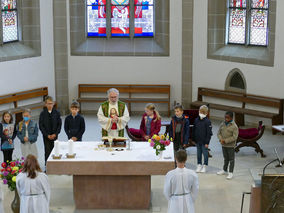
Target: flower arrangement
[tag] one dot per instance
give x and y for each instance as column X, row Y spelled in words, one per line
column 9, row 172
column 159, row 143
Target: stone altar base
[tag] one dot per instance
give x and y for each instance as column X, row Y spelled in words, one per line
column 112, row 192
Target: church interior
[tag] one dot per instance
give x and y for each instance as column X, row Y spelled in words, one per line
column 223, row 54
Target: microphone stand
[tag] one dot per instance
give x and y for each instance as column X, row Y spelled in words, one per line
column 268, row 165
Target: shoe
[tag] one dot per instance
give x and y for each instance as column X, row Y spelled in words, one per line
column 199, row 168
column 222, row 172
column 230, row 176
column 203, row 170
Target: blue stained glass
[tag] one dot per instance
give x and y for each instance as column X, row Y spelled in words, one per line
column 144, row 18
column 96, row 18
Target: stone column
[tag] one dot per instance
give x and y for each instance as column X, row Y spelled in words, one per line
column 61, row 55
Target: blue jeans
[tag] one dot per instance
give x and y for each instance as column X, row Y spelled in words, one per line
column 201, row 149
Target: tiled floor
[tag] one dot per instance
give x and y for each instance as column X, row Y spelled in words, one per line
column 216, row 195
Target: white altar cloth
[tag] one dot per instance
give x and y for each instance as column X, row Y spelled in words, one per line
column 140, row 151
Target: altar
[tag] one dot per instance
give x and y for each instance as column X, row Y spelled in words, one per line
column 111, row 180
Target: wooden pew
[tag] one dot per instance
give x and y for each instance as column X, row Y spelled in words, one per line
column 244, row 100
column 14, row 98
column 127, row 92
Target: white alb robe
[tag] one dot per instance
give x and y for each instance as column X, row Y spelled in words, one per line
column 34, row 193
column 1, row 200
column 181, row 189
column 106, row 123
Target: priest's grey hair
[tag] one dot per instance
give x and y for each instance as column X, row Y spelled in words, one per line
column 112, row 90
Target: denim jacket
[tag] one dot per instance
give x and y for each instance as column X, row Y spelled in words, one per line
column 32, row 130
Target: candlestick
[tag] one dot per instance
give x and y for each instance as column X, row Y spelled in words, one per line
column 56, row 148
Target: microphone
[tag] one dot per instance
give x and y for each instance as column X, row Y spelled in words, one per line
column 278, row 158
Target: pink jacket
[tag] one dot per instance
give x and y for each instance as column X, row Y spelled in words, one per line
column 155, row 125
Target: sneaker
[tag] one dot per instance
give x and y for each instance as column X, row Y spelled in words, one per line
column 230, row 176
column 203, row 170
column 199, row 168
column 222, row 172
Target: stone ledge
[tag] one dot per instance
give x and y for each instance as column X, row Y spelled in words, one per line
column 119, row 47
column 244, row 54
column 15, row 51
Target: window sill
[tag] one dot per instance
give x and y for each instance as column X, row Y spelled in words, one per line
column 119, row 47
column 244, row 54
column 15, row 51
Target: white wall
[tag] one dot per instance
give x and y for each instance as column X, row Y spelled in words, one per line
column 261, row 80
column 135, row 70
column 26, row 74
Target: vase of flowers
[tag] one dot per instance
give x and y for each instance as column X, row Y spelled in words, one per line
column 8, row 174
column 159, row 143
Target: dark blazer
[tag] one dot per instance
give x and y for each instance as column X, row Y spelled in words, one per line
column 202, row 131
column 74, row 127
column 184, row 129
column 50, row 123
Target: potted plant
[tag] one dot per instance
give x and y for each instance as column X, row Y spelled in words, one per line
column 159, row 143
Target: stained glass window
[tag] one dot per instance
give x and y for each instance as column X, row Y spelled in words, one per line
column 120, row 17
column 96, row 17
column 255, row 32
column 258, row 23
column 9, row 20
column 237, row 30
column 144, row 17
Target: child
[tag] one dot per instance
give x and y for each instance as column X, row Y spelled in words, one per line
column 150, row 123
column 74, row 125
column 201, row 135
column 50, row 125
column 8, row 134
column 181, row 186
column 33, row 187
column 27, row 132
column 179, row 129
column 227, row 135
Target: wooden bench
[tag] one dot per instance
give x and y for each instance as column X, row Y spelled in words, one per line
column 14, row 99
column 129, row 93
column 244, row 100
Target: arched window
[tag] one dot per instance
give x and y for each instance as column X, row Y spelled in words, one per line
column 120, row 18
column 248, row 22
column 236, row 81
column 9, row 14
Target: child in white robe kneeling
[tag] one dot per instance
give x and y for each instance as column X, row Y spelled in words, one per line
column 33, row 188
column 181, row 186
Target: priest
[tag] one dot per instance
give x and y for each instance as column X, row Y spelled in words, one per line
column 113, row 124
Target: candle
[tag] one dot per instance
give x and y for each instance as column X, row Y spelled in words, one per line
column 56, row 148
column 71, row 147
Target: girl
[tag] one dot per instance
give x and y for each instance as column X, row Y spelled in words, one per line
column 27, row 132
column 8, row 134
column 150, row 123
column 33, row 187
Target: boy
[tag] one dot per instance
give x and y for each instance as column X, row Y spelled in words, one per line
column 27, row 132
column 201, row 135
column 179, row 129
column 49, row 125
column 181, row 186
column 74, row 124
column 227, row 135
